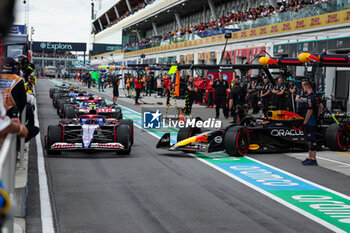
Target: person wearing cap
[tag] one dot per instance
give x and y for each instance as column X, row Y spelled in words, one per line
column 12, row 88
column 291, row 91
column 265, row 94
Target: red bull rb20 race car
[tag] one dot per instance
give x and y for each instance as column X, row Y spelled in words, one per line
column 279, row 132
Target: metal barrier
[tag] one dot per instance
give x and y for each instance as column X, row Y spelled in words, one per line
column 8, row 155
column 22, row 140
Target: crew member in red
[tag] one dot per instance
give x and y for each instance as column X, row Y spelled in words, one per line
column 138, row 86
column 210, row 92
column 167, row 88
column 200, row 86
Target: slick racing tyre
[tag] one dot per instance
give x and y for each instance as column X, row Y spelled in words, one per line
column 236, row 141
column 187, row 133
column 69, row 111
column 55, row 97
column 123, row 137
column 337, row 137
column 52, row 90
column 60, row 107
column 129, row 123
column 54, row 135
column 118, row 113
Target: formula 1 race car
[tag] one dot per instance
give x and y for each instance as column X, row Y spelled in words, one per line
column 279, row 132
column 73, row 100
column 64, row 93
column 93, row 105
column 90, row 132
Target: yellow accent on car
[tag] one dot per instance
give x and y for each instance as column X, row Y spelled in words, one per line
column 186, row 141
column 254, row 147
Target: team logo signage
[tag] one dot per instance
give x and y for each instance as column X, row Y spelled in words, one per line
column 58, row 46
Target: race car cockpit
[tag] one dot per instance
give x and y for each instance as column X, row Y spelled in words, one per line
column 92, row 120
column 91, row 104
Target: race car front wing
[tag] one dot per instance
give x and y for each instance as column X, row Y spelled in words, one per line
column 112, row 146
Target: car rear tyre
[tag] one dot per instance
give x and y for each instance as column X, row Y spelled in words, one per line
column 123, row 137
column 129, row 123
column 52, row 90
column 60, row 107
column 55, row 97
column 337, row 137
column 236, row 141
column 54, row 135
column 69, row 111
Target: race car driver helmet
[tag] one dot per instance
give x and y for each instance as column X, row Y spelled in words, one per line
column 84, row 120
column 98, row 121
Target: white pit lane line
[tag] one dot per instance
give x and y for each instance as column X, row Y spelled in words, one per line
column 45, row 204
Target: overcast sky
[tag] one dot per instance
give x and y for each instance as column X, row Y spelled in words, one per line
column 57, row 20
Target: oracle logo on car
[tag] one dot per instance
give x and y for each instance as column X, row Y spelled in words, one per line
column 286, row 132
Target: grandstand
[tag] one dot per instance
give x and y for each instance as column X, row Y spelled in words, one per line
column 192, row 31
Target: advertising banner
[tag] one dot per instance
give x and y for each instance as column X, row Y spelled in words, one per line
column 41, row 46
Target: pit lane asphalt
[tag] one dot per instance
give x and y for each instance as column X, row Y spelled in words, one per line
column 156, row 191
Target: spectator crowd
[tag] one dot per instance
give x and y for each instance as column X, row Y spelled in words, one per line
column 231, row 18
column 63, row 55
column 142, row 4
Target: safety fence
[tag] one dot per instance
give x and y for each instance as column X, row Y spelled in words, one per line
column 8, row 155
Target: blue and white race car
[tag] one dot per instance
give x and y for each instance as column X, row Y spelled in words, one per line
column 90, row 132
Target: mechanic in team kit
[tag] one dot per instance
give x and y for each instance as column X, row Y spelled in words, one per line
column 279, row 95
column 253, row 91
column 291, row 93
column 190, row 96
column 236, row 102
column 310, row 124
column 220, row 87
column 138, row 87
column 265, row 94
column 210, row 92
column 167, row 88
